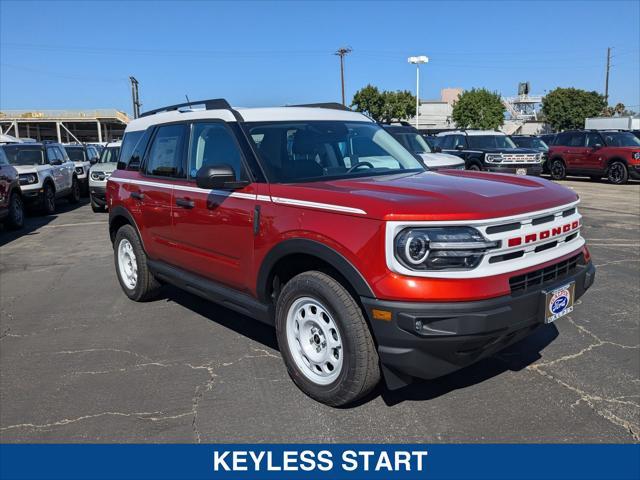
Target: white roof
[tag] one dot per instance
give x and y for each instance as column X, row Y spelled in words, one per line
column 471, row 132
column 250, row 115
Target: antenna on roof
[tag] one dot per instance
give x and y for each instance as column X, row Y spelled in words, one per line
column 188, row 101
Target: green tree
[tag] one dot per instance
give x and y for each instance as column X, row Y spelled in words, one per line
column 384, row 106
column 566, row 108
column 369, row 100
column 618, row 110
column 479, row 109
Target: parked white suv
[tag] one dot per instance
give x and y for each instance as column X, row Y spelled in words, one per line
column 100, row 172
column 412, row 140
column 82, row 156
column 46, row 173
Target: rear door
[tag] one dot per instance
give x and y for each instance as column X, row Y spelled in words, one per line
column 213, row 229
column 576, row 151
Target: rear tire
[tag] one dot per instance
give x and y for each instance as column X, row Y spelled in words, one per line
column 325, row 341
column 48, row 199
column 558, row 170
column 15, row 215
column 74, row 195
column 618, row 173
column 137, row 282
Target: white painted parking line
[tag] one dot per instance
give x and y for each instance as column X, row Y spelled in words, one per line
column 73, row 224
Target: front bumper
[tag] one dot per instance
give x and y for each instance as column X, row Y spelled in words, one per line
column 98, row 195
column 456, row 334
column 32, row 193
column 535, row 169
column 634, row 171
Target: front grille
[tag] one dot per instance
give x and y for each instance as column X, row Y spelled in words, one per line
column 519, row 158
column 544, row 275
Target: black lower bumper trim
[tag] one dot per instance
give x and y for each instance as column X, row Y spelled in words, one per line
column 535, row 170
column 456, row 334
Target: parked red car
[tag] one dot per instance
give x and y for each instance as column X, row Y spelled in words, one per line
column 597, row 154
column 317, row 221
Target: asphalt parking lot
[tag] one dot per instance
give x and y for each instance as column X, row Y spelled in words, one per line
column 79, row 362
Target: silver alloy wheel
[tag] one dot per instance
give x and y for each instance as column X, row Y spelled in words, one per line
column 127, row 264
column 314, row 341
column 616, row 172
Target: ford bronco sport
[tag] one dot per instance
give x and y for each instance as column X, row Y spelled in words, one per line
column 82, row 156
column 46, row 173
column 491, row 151
column 100, row 172
column 366, row 264
column 614, row 154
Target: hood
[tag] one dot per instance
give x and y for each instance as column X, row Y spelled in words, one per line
column 103, row 167
column 509, row 150
column 439, row 196
column 441, row 160
column 27, row 168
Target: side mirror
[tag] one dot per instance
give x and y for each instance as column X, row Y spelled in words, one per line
column 459, row 147
column 597, row 146
column 437, row 149
column 212, row 177
column 55, row 162
column 93, row 161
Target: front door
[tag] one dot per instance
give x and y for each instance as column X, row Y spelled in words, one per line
column 55, row 159
column 593, row 155
column 213, row 229
column 576, row 152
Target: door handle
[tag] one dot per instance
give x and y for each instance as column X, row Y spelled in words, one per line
column 137, row 195
column 185, row 203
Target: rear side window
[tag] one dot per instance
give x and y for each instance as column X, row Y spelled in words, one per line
column 165, row 157
column 128, row 146
column 562, row 139
column 447, row 142
column 213, row 144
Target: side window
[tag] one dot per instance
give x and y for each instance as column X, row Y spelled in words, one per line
column 132, row 149
column 593, row 139
column 447, row 142
column 3, row 158
column 62, row 154
column 52, row 155
column 562, row 139
column 213, row 144
column 166, row 153
column 458, row 140
column 577, row 140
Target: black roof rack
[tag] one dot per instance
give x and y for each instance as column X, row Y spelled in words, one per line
column 211, row 104
column 329, row 105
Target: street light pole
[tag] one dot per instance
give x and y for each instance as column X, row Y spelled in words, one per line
column 418, row 60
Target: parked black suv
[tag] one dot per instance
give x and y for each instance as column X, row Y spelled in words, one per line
column 491, row 151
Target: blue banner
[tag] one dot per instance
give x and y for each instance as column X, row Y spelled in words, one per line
column 300, row 461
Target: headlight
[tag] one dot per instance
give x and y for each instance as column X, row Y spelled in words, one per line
column 99, row 176
column 79, row 170
column 636, row 155
column 441, row 248
column 493, row 157
column 28, row 178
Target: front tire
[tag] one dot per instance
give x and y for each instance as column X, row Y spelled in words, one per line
column 558, row 170
column 137, row 282
column 74, row 194
column 474, row 167
column 325, row 341
column 15, row 216
column 48, row 199
column 618, row 173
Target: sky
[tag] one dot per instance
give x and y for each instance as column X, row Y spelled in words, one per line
column 79, row 55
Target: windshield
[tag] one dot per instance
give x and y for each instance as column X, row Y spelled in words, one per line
column 76, row 154
column 110, row 155
column 490, row 141
column 24, row 155
column 620, row 139
column 415, row 142
column 319, row 150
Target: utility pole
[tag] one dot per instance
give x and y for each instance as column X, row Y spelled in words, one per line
column 341, row 53
column 134, row 97
column 606, row 81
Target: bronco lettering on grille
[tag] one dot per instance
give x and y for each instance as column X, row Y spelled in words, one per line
column 544, row 234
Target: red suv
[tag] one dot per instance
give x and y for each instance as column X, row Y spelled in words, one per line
column 612, row 154
column 317, row 221
column 11, row 207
